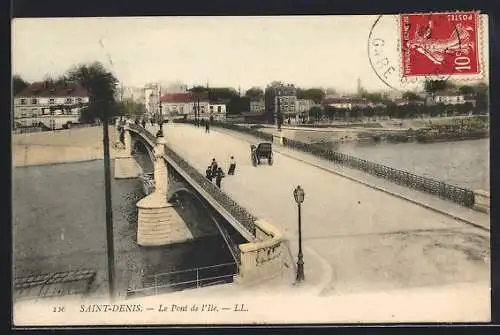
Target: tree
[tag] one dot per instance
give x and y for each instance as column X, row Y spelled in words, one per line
column 18, row 84
column 254, row 93
column 219, row 94
column 433, row 86
column 316, row 112
column 101, row 85
column 466, row 89
column 482, row 97
column 411, row 96
column 315, row 94
column 373, row 97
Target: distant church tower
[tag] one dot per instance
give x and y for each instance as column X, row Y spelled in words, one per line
column 360, row 88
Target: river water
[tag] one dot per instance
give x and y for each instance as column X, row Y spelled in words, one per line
column 461, row 163
column 59, row 225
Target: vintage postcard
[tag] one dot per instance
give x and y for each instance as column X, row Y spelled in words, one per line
column 251, row 170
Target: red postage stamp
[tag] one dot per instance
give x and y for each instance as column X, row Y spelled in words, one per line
column 440, row 44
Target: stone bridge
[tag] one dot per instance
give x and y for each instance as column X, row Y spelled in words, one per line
column 262, row 257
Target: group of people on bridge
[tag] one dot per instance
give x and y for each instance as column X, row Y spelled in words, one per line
column 214, row 171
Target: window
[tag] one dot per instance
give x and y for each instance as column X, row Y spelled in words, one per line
column 79, row 99
column 181, row 109
column 23, row 123
column 211, row 108
column 219, row 109
column 52, row 101
column 34, row 101
column 69, row 100
column 23, row 101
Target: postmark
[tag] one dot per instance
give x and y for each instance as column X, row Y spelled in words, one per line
column 406, row 50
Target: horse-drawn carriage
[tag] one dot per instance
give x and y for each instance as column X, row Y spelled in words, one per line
column 260, row 151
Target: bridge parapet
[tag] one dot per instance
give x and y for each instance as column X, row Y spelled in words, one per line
column 262, row 259
column 237, row 213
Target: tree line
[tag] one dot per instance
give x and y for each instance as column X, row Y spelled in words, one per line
column 102, row 87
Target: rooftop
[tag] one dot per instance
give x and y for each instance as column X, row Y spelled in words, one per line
column 42, row 89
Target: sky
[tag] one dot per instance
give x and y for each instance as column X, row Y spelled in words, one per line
column 308, row 51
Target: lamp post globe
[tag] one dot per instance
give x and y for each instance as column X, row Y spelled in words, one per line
column 299, row 196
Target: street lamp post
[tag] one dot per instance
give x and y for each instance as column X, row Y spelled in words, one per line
column 160, row 132
column 109, row 210
column 278, row 110
column 299, row 195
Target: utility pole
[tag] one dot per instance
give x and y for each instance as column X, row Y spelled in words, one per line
column 109, row 209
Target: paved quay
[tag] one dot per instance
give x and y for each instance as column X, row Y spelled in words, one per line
column 370, row 239
column 62, row 146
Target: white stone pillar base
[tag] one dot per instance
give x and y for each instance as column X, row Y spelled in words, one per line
column 159, row 223
column 482, row 201
column 278, row 139
column 126, row 168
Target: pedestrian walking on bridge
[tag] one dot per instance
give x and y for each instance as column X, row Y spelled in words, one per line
column 143, row 123
column 218, row 177
column 214, row 166
column 232, row 166
column 208, row 173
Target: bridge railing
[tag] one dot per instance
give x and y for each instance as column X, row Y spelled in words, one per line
column 231, row 126
column 185, row 279
column 446, row 191
column 453, row 193
column 239, row 213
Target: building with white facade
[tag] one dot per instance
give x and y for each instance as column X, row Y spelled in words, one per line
column 256, row 105
column 47, row 105
column 304, row 105
column 449, row 98
column 151, row 99
column 186, row 104
column 346, row 103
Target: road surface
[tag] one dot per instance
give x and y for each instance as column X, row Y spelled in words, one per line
column 370, row 239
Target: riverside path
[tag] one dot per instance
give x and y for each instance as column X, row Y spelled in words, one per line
column 370, row 240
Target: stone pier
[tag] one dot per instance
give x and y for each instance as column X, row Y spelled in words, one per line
column 125, row 165
column 158, row 221
column 278, row 139
column 482, row 201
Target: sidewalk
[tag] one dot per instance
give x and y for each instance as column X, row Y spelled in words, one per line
column 464, row 214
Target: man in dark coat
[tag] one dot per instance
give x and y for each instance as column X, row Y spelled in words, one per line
column 232, row 166
column 207, row 127
column 143, row 123
column 214, row 166
column 122, row 135
column 218, row 177
column 208, row 173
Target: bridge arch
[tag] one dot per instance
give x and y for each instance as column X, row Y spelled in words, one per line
column 138, row 144
column 179, row 187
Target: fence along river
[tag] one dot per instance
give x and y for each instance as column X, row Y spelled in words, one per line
column 461, row 195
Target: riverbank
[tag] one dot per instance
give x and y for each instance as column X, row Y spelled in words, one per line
column 63, row 146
